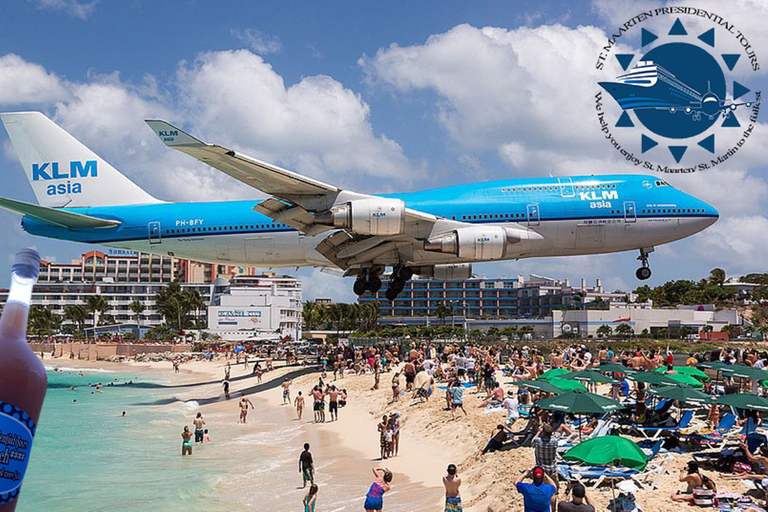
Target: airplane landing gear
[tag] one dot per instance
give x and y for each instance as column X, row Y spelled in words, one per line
column 644, row 272
column 400, row 275
column 368, row 280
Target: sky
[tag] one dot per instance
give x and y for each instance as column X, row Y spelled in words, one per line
column 374, row 97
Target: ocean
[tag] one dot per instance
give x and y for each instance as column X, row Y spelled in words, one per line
column 88, row 457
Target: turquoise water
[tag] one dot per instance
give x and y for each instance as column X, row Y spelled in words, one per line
column 87, row 457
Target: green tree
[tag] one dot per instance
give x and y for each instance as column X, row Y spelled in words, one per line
column 137, row 308
column 624, row 330
column 604, row 331
column 443, row 311
column 176, row 305
column 685, row 331
column 77, row 314
column 96, row 305
column 43, row 321
column 313, row 315
column 716, row 277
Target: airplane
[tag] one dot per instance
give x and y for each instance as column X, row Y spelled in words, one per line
column 436, row 233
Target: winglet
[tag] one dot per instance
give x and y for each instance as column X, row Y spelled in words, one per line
column 172, row 136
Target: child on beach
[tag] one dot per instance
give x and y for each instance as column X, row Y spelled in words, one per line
column 374, row 500
column 452, row 482
column 186, row 442
column 206, row 436
column 310, row 499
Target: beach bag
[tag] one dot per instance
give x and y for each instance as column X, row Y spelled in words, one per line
column 703, row 497
column 740, row 467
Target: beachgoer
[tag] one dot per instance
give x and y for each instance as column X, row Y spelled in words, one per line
column 694, row 480
column 374, row 500
column 457, row 398
column 206, row 436
column 396, row 387
column 307, row 466
column 394, row 420
column 199, row 423
column 539, row 496
column 310, row 499
column 343, row 398
column 245, row 402
column 452, row 482
column 299, row 403
column 286, row 391
column 496, row 442
column 333, row 402
column 382, row 428
column 512, row 405
column 579, row 501
column 186, row 443
column 545, row 451
column 226, row 388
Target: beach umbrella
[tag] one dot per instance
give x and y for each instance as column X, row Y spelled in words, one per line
column 580, row 402
column 687, row 370
column 745, row 372
column 609, row 451
column 554, row 372
column 539, row 384
column 744, row 401
column 685, row 380
column 654, row 378
column 589, row 376
column 567, row 385
column 613, row 368
column 713, row 365
column 682, row 394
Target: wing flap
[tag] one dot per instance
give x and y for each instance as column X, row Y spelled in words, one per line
column 56, row 217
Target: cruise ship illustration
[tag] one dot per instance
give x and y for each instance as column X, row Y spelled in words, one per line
column 650, row 86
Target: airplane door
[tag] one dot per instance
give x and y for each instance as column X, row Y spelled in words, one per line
column 154, row 233
column 566, row 187
column 630, row 214
column 533, row 214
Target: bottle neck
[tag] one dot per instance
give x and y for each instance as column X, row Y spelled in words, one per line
column 16, row 310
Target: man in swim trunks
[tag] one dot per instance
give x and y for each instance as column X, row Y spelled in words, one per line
column 307, row 466
column 452, row 482
column 199, row 423
column 286, row 391
column 333, row 402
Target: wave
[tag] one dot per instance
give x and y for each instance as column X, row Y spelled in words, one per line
column 73, row 369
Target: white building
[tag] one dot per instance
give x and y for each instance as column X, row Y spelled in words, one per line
column 585, row 323
column 256, row 308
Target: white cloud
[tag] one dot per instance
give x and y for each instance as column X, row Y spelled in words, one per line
column 23, row 82
column 74, row 8
column 258, row 41
column 742, row 239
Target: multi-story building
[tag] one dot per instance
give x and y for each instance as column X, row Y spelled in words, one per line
column 124, row 277
column 482, row 297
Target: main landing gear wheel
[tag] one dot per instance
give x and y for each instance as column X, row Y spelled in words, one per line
column 400, row 275
column 644, row 272
column 359, row 287
column 368, row 280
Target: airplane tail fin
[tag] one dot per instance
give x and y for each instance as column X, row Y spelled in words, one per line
column 62, row 171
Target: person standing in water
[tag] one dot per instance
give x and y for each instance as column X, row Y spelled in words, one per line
column 299, row 403
column 452, row 482
column 310, row 499
column 186, row 443
column 374, row 500
column 199, row 424
column 244, row 403
column 307, row 466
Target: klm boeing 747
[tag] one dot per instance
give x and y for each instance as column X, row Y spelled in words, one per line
column 438, row 233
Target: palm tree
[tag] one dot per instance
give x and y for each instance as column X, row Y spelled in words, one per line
column 97, row 305
column 443, row 311
column 77, row 313
column 604, row 331
column 137, row 308
column 43, row 321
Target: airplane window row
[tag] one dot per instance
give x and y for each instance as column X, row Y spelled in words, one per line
column 492, row 216
column 223, row 228
column 554, row 188
column 674, row 210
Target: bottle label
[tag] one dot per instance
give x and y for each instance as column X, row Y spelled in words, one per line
column 17, row 430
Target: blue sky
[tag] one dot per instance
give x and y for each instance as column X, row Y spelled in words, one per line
column 375, row 97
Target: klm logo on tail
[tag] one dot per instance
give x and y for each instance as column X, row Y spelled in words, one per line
column 51, row 171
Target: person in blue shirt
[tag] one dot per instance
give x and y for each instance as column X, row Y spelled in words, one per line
column 539, row 496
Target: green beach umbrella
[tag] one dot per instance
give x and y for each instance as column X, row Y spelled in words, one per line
column 567, row 385
column 685, row 380
column 744, row 401
column 657, row 379
column 682, row 394
column 613, row 368
column 580, row 402
column 745, row 372
column 687, row 370
column 554, row 372
column 589, row 376
column 608, row 451
column 539, row 384
column 713, row 365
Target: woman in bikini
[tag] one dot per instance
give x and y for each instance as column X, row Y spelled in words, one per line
column 186, row 443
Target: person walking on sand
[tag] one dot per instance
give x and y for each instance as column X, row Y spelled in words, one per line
column 245, row 402
column 186, row 442
column 310, row 499
column 307, row 466
column 286, row 391
column 199, row 424
column 374, row 500
column 452, row 482
column 225, row 384
column 299, row 403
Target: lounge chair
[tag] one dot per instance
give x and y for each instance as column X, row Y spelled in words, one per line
column 655, row 432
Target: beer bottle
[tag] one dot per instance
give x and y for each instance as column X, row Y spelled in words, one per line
column 23, row 380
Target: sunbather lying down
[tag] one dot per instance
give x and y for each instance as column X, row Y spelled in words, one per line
column 572, row 431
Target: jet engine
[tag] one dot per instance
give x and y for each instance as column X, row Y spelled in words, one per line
column 375, row 216
column 474, row 243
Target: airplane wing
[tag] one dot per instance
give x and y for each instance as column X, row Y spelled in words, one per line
column 55, row 216
column 369, row 229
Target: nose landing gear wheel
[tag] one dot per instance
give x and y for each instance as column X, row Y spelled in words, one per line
column 643, row 273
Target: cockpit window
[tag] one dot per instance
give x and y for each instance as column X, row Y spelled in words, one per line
column 661, row 183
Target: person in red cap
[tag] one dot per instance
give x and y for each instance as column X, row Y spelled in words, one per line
column 539, row 496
